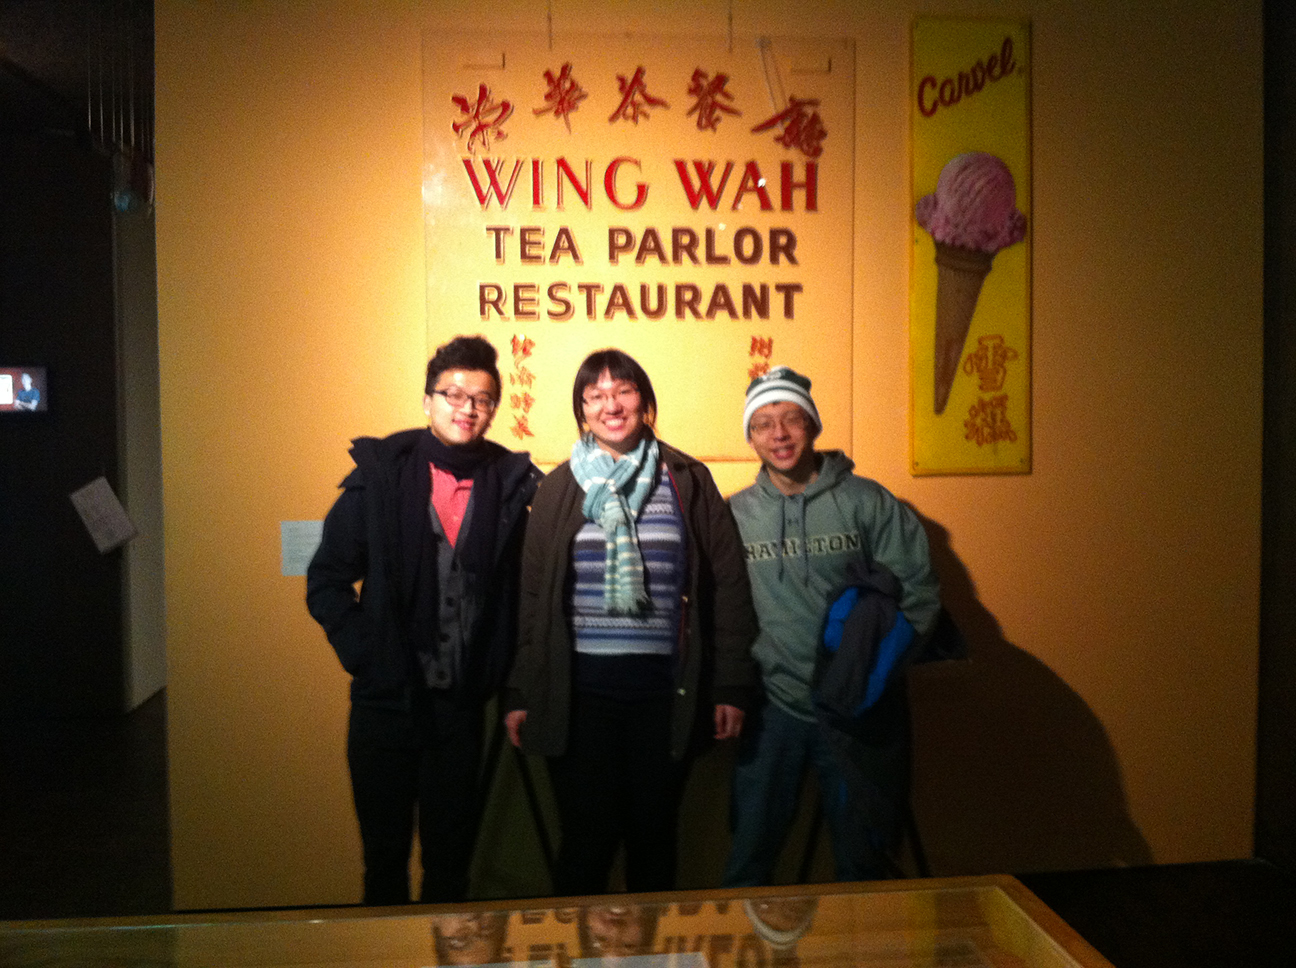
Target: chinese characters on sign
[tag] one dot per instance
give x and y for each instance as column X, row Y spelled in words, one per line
column 799, row 127
column 481, row 119
column 762, row 351
column 563, row 96
column 988, row 419
column 635, row 99
column 521, row 381
column 989, row 361
column 710, row 95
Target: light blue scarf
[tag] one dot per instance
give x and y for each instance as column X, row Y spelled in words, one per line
column 615, row 493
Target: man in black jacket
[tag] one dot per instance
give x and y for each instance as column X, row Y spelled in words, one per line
column 431, row 523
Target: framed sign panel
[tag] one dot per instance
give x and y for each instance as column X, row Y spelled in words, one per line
column 969, row 291
column 688, row 200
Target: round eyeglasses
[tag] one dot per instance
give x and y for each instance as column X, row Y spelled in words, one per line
column 627, row 396
column 792, row 423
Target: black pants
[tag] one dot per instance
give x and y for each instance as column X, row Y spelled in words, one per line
column 617, row 784
column 422, row 764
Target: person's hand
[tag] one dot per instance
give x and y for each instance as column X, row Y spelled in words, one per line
column 513, row 723
column 728, row 722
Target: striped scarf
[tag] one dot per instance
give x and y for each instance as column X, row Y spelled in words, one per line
column 615, row 492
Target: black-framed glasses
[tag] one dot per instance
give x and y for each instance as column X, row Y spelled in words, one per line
column 457, row 397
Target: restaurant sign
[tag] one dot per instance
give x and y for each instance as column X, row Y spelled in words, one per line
column 688, row 200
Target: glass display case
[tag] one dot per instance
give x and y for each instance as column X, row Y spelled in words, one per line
column 979, row 922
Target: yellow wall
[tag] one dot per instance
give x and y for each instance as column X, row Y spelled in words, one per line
column 1108, row 712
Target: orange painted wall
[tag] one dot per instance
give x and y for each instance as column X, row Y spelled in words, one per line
column 1108, row 712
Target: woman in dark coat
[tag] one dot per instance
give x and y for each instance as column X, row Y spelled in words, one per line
column 635, row 628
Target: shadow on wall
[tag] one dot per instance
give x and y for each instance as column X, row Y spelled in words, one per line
column 1013, row 773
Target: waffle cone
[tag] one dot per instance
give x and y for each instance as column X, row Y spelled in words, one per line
column 959, row 274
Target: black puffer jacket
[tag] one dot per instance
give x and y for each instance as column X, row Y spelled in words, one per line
column 362, row 542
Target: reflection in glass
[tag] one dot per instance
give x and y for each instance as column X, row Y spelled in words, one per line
column 974, row 923
column 781, row 920
column 472, row 938
column 617, row 930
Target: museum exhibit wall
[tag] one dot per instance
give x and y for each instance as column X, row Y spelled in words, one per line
column 1107, row 712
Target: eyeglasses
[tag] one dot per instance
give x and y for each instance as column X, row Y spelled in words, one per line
column 792, row 423
column 627, row 396
column 457, row 398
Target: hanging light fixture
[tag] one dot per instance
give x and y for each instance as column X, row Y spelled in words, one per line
column 119, row 99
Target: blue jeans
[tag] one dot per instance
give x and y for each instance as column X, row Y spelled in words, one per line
column 776, row 750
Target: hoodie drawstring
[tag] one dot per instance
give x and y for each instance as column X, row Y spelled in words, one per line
column 798, row 502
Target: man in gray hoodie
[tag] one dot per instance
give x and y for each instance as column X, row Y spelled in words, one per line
column 809, row 525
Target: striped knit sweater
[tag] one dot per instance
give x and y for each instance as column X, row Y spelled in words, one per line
column 630, row 656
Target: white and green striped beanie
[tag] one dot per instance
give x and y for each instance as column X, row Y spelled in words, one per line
column 779, row 384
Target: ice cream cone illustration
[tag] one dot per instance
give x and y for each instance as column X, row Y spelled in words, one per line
column 959, row 274
column 971, row 216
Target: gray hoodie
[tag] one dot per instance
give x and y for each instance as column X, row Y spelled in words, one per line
column 797, row 549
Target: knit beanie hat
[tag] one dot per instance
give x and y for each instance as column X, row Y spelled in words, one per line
column 779, row 384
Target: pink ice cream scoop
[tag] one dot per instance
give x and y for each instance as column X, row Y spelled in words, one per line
column 974, row 206
column 972, row 215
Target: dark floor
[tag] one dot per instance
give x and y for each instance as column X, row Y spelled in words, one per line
column 83, row 816
column 83, row 833
column 1230, row 914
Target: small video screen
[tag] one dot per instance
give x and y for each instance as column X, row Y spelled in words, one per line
column 23, row 389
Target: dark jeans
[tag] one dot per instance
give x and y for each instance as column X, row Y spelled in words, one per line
column 776, row 750
column 617, row 784
column 422, row 764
